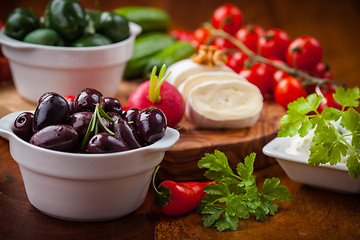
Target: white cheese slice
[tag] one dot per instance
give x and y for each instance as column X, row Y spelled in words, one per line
column 194, row 80
column 224, row 104
column 182, row 69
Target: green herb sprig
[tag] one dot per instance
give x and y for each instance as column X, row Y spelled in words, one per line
column 329, row 144
column 94, row 124
column 236, row 196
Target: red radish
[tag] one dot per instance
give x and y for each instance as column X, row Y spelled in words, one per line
column 158, row 93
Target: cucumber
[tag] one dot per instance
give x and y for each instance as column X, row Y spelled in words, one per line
column 150, row 19
column 145, row 47
column 170, row 55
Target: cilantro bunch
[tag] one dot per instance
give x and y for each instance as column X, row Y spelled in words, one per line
column 236, row 196
column 329, row 144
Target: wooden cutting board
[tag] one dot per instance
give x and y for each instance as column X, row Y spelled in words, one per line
column 180, row 162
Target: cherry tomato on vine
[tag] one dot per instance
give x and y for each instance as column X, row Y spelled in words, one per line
column 182, row 35
column 304, row 52
column 322, row 70
column 260, row 75
column 287, row 90
column 329, row 101
column 250, row 35
column 277, row 77
column 223, row 43
column 227, row 17
column 274, row 43
column 236, row 61
column 201, row 36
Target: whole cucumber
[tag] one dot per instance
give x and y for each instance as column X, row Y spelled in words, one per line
column 170, row 55
column 149, row 18
column 145, row 46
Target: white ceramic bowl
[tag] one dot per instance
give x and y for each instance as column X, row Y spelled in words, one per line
column 85, row 187
column 334, row 178
column 67, row 70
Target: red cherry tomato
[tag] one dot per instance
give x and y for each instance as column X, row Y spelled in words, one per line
column 322, row 70
column 258, row 74
column 236, row 61
column 201, row 36
column 5, row 72
column 182, row 35
column 277, row 77
column 227, row 17
column 329, row 101
column 274, row 44
column 250, row 35
column 287, row 90
column 69, row 98
column 223, row 43
column 305, row 52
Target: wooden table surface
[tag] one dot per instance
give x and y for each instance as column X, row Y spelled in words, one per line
column 313, row 214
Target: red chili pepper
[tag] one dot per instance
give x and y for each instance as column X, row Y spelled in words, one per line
column 177, row 198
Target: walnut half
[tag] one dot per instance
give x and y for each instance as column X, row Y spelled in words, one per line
column 209, row 55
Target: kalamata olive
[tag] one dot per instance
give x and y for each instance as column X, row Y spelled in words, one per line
column 71, row 107
column 114, row 116
column 106, row 143
column 130, row 114
column 128, row 133
column 22, row 126
column 87, row 99
column 112, row 105
column 151, row 124
column 52, row 109
column 80, row 122
column 59, row 137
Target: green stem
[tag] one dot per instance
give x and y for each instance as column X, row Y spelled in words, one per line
column 155, row 83
column 153, row 179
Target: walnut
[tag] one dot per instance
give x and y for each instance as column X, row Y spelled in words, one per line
column 209, row 55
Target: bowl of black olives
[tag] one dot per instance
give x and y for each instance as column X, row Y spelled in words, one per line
column 87, row 159
column 67, row 49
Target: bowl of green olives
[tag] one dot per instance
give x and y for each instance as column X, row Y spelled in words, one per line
column 67, row 49
column 91, row 161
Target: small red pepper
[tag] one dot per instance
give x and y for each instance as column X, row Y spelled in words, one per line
column 177, row 198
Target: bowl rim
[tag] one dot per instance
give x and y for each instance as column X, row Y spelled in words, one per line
column 7, row 41
column 271, row 150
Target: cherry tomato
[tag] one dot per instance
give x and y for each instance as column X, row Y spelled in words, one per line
column 250, row 35
column 287, row 90
column 69, row 98
column 274, row 44
column 305, row 52
column 258, row 74
column 5, row 72
column 201, row 36
column 236, row 61
column 182, row 35
column 329, row 101
column 277, row 77
column 223, row 43
column 322, row 70
column 227, row 17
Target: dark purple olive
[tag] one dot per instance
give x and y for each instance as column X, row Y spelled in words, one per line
column 87, row 99
column 106, row 143
column 52, row 109
column 114, row 116
column 130, row 114
column 71, row 107
column 56, row 137
column 112, row 105
column 80, row 122
column 128, row 133
column 151, row 124
column 42, row 97
column 22, row 126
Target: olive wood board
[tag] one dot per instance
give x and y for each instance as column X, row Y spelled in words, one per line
column 180, row 162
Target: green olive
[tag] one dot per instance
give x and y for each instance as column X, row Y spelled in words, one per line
column 44, row 36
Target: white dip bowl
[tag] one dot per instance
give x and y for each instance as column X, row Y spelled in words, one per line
column 67, row 70
column 85, row 187
column 325, row 176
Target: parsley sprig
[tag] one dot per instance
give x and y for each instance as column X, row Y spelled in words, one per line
column 236, row 196
column 329, row 144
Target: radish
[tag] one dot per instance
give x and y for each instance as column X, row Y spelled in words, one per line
column 160, row 94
